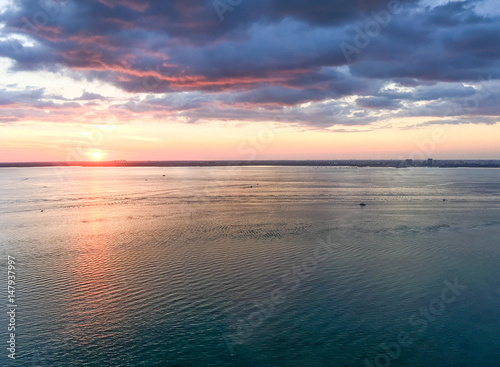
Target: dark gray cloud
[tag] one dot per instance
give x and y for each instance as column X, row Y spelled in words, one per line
column 8, row 97
column 265, row 54
column 86, row 96
column 383, row 103
column 463, row 121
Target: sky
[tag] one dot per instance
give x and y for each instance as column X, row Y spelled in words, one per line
column 249, row 79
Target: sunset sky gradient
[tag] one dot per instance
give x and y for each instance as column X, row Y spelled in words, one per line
column 249, row 79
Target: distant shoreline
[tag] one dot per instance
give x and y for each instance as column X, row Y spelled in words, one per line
column 283, row 163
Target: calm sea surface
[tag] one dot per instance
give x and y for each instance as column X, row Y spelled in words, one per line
column 253, row 266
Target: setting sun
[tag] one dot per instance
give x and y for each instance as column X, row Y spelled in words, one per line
column 96, row 155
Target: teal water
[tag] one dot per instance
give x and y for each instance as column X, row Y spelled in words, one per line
column 253, row 266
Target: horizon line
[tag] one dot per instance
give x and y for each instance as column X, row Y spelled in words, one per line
column 399, row 163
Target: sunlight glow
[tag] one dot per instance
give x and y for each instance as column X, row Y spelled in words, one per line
column 96, row 155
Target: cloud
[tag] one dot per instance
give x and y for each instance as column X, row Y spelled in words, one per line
column 268, row 60
column 10, row 97
column 462, row 121
column 382, row 103
column 87, row 96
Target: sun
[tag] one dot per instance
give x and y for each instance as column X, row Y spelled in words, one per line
column 96, row 155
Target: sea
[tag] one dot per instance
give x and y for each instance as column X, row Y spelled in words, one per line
column 250, row 266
